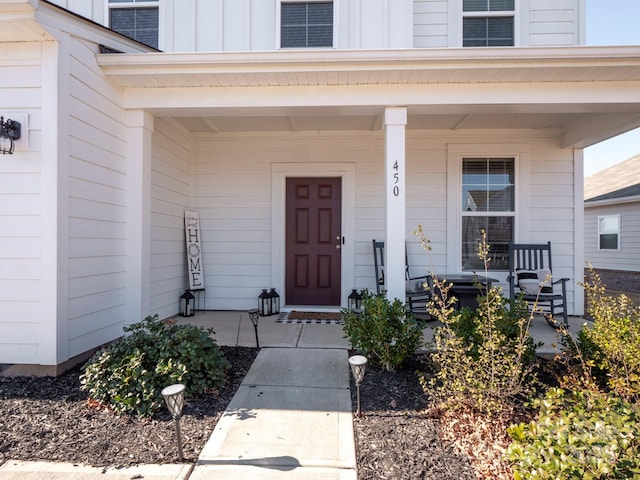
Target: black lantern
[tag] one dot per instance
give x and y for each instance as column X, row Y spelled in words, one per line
column 275, row 301
column 187, row 301
column 355, row 300
column 264, row 303
column 9, row 133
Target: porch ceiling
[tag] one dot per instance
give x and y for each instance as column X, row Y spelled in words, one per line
column 589, row 93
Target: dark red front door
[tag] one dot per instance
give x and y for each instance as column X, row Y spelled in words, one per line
column 313, row 238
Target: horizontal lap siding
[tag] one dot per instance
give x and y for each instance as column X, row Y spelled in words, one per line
column 628, row 256
column 232, row 192
column 170, row 196
column 97, row 189
column 21, row 321
column 430, row 23
column 554, row 22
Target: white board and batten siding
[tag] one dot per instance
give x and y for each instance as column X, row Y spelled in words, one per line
column 21, row 214
column 627, row 257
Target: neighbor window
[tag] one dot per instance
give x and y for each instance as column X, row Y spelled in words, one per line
column 609, row 232
column 488, row 204
column 306, row 24
column 137, row 19
column 488, row 23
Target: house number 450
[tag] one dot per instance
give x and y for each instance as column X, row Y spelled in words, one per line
column 396, row 179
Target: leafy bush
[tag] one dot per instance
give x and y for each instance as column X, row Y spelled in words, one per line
column 129, row 375
column 484, row 358
column 383, row 331
column 612, row 345
column 584, row 434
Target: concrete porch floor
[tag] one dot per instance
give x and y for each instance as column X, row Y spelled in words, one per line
column 234, row 328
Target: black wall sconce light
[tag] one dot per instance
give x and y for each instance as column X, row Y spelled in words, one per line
column 9, row 133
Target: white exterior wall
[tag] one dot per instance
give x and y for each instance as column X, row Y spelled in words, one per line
column 431, row 23
column 555, row 22
column 92, row 9
column 232, row 192
column 627, row 258
column 97, row 205
column 24, row 315
column 438, row 23
column 239, row 25
column 171, row 177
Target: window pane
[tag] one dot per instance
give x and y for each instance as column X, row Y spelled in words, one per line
column 488, row 185
column 609, row 224
column 500, row 32
column 488, row 32
column 306, row 25
column 609, row 241
column 499, row 232
column 488, row 5
column 141, row 24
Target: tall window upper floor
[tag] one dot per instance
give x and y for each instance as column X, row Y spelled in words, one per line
column 488, row 23
column 306, row 24
column 137, row 19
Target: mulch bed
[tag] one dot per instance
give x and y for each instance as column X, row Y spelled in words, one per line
column 397, row 437
column 50, row 419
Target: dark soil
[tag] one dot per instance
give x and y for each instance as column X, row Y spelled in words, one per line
column 49, row 418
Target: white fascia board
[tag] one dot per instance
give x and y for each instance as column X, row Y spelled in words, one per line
column 366, row 59
column 611, row 201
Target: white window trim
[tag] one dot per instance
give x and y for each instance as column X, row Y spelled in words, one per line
column 279, row 24
column 617, row 249
column 455, row 154
column 520, row 22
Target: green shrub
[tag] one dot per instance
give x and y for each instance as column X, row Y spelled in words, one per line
column 612, row 344
column 129, row 375
column 383, row 331
column 584, row 434
column 484, row 358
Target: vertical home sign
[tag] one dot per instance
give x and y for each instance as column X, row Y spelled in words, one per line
column 194, row 252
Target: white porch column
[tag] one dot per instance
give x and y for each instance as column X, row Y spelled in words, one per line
column 395, row 121
column 139, row 139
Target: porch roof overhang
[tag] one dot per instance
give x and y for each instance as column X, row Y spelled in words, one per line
column 589, row 93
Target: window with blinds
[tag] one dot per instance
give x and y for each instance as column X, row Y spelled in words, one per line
column 137, row 19
column 306, row 24
column 488, row 23
column 488, row 204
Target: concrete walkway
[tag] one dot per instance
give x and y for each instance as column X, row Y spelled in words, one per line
column 291, row 418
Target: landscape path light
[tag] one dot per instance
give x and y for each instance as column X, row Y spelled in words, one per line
column 174, row 397
column 358, row 366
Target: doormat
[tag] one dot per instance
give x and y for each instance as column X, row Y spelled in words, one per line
column 317, row 318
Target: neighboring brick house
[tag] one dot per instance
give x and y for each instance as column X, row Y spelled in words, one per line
column 612, row 226
column 298, row 131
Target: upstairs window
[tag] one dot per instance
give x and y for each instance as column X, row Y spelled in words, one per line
column 137, row 19
column 488, row 203
column 488, row 23
column 306, row 24
column 609, row 232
